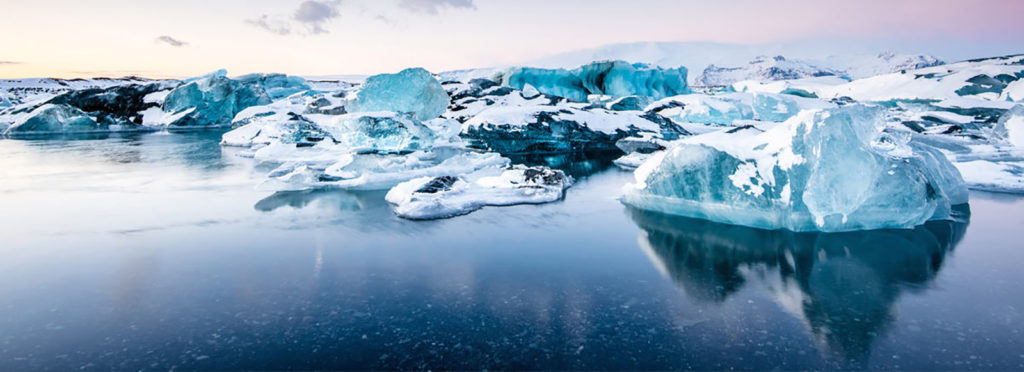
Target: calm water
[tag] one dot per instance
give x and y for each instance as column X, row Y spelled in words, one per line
column 158, row 252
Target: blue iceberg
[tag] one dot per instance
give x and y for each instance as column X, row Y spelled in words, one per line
column 211, row 101
column 612, row 78
column 823, row 170
column 414, row 91
column 55, row 119
column 277, row 86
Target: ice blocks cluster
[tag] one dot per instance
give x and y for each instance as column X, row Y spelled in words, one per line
column 790, row 149
column 823, row 170
column 613, row 78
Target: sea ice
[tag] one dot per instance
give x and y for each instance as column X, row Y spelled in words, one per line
column 823, row 170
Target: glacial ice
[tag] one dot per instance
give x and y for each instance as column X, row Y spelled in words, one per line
column 1010, row 128
column 452, row 195
column 211, row 101
column 277, row 86
column 762, row 68
column 353, row 171
column 413, row 91
column 612, row 78
column 511, row 121
column 727, row 109
column 51, row 119
column 822, row 170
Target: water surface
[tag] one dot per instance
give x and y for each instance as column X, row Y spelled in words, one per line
column 158, row 251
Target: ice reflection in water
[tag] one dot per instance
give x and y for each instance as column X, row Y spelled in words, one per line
column 842, row 285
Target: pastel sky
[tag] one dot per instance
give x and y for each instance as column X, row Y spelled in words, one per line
column 166, row 38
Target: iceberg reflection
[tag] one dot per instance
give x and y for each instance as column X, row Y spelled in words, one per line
column 842, row 285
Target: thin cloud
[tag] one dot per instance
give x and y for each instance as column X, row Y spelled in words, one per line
column 316, row 14
column 311, row 18
column 433, row 7
column 171, row 41
column 268, row 24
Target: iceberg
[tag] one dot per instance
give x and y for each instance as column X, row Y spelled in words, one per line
column 1010, row 128
column 612, row 78
column 353, row 171
column 762, row 68
column 55, row 119
column 514, row 122
column 822, row 170
column 414, row 91
column 210, row 101
column 380, row 132
column 277, row 86
column 730, row 108
column 453, row 195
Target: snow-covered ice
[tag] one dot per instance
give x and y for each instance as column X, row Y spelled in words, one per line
column 450, row 195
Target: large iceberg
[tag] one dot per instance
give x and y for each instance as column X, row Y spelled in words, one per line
column 414, row 91
column 211, row 101
column 823, row 170
column 612, row 78
column 55, row 119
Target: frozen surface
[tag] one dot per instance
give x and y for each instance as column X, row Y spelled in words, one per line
column 454, row 195
column 823, row 170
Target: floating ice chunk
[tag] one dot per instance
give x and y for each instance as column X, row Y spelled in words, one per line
column 413, row 91
column 213, row 100
column 1010, row 127
column 633, row 160
column 824, row 170
column 762, row 68
column 386, row 132
column 1014, row 91
column 727, row 109
column 629, row 103
column 996, row 176
column 451, row 195
column 613, row 78
column 277, row 86
column 704, row 109
column 381, row 172
column 55, row 119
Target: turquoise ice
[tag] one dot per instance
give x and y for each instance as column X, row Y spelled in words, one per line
column 612, row 78
column 822, row 170
column 414, row 91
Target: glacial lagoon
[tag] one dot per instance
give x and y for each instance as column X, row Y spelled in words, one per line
column 159, row 251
